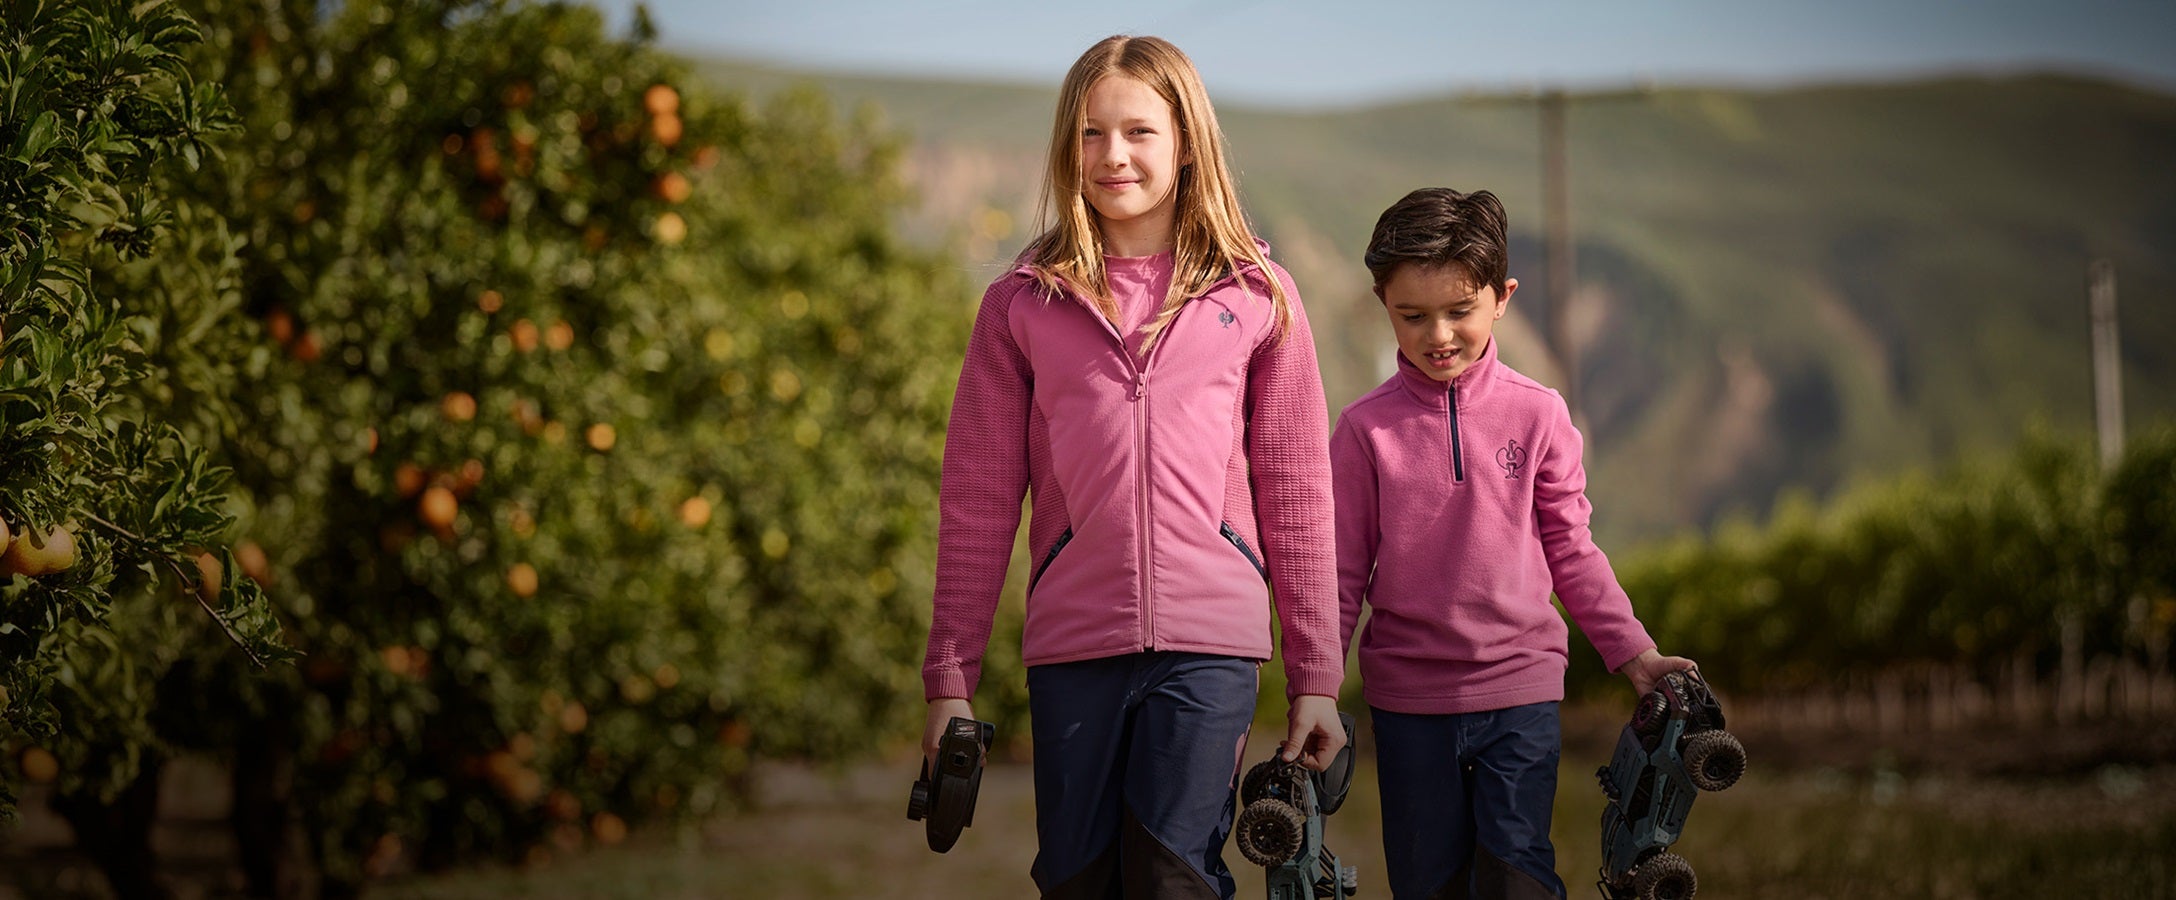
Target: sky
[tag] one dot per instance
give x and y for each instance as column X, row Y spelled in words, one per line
column 1287, row 53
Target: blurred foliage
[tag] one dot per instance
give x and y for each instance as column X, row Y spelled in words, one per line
column 99, row 111
column 584, row 425
column 1979, row 569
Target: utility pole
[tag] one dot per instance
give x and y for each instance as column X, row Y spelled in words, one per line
column 2100, row 282
column 1557, row 247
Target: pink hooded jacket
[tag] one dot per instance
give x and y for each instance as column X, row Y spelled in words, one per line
column 1461, row 506
column 1168, row 497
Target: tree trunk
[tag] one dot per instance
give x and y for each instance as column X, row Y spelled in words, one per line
column 264, row 770
column 117, row 836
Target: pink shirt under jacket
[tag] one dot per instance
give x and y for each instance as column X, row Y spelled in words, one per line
column 1461, row 506
column 1168, row 497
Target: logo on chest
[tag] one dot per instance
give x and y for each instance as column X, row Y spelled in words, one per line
column 1226, row 318
column 1512, row 457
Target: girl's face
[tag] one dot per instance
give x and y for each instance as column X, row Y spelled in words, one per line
column 1443, row 320
column 1130, row 157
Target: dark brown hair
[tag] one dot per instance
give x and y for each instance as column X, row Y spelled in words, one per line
column 1442, row 227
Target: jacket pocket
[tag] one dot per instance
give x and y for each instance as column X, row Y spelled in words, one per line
column 1051, row 557
column 1232, row 535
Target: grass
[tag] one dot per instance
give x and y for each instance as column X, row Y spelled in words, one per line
column 1845, row 820
column 1820, row 833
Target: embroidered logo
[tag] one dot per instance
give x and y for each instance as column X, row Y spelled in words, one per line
column 1512, row 457
column 1227, row 318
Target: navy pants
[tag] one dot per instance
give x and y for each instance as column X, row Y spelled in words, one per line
column 1136, row 765
column 1466, row 802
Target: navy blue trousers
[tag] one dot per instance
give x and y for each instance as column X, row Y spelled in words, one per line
column 1136, row 767
column 1467, row 800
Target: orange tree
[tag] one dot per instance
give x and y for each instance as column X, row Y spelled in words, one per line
column 592, row 440
column 111, row 511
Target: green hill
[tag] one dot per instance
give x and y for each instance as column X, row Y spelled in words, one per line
column 1777, row 289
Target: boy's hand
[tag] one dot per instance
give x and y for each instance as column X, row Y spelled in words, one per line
column 1316, row 734
column 1646, row 670
column 941, row 711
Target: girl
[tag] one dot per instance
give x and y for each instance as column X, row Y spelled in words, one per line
column 1147, row 376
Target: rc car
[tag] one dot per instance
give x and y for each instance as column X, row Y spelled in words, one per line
column 945, row 799
column 1280, row 825
column 1674, row 747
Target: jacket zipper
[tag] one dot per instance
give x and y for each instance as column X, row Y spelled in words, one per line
column 1232, row 534
column 1050, row 557
column 1140, row 428
column 1458, row 454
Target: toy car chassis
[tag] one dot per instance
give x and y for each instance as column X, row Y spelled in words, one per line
column 1673, row 748
column 1280, row 825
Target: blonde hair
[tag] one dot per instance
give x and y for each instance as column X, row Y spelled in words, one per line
column 1210, row 233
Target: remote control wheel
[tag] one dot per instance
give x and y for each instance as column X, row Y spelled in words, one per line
column 1714, row 760
column 1667, row 876
column 1270, row 832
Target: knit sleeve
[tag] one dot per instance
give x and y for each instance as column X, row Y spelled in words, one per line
column 1288, row 457
column 985, row 477
column 1359, row 531
column 1582, row 576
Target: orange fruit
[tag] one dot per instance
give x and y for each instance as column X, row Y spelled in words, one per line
column 490, row 301
column 671, row 229
column 253, row 563
column 601, row 437
column 280, row 324
column 438, row 507
column 458, row 406
column 560, row 336
column 666, row 129
column 307, row 347
column 407, row 479
column 524, row 334
column 39, row 765
column 695, row 512
column 661, row 100
column 53, row 553
column 522, row 580
column 671, row 187
column 608, row 828
column 210, row 573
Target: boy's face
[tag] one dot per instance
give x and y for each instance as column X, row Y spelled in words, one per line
column 1442, row 319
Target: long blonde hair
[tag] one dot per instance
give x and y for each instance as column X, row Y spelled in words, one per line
column 1210, row 231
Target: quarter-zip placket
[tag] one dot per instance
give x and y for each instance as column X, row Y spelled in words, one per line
column 1458, row 454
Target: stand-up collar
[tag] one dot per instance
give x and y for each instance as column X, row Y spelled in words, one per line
column 1431, row 391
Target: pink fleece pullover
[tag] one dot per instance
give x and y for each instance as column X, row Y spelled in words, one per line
column 1461, row 506
column 1169, row 492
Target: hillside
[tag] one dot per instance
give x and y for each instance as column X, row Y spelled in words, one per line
column 1777, row 290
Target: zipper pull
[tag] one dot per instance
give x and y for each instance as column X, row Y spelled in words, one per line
column 1140, row 385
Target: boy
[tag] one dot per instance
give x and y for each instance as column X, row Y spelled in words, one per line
column 1461, row 506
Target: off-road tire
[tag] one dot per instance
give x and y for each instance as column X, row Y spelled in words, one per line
column 1664, row 876
column 1714, row 760
column 1270, row 832
column 1650, row 715
column 1272, row 779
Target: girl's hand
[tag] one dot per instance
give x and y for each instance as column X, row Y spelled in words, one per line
column 1646, row 670
column 941, row 711
column 1316, row 734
